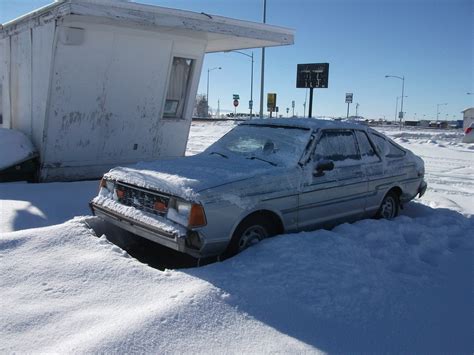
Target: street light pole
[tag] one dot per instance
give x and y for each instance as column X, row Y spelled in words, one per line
column 402, row 78
column 207, row 93
column 262, row 74
column 396, row 108
column 437, row 109
column 251, row 79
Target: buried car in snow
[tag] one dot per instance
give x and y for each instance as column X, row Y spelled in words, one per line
column 263, row 178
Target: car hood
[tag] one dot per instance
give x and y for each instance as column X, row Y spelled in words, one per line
column 186, row 177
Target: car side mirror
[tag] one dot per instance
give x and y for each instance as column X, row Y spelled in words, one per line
column 322, row 166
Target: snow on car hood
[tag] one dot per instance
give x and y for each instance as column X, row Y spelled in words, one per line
column 187, row 176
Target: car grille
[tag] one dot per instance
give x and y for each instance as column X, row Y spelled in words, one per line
column 142, row 199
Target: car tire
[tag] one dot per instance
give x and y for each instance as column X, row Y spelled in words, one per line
column 250, row 231
column 390, row 206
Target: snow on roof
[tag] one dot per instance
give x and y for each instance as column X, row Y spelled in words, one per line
column 305, row 123
column 222, row 33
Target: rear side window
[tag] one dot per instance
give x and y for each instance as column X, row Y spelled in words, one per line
column 367, row 151
column 387, row 148
column 337, row 146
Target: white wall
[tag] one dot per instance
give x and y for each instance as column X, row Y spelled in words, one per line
column 4, row 70
column 20, row 84
column 43, row 38
column 107, row 94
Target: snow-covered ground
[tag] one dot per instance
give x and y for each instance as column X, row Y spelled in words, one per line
column 405, row 285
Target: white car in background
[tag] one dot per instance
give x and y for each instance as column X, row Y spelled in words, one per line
column 264, row 177
column 469, row 134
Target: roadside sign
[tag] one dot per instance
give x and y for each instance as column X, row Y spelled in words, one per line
column 250, row 104
column 313, row 75
column 236, row 97
column 400, row 114
column 236, row 103
column 349, row 97
column 271, row 101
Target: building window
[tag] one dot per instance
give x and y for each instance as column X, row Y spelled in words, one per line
column 178, row 87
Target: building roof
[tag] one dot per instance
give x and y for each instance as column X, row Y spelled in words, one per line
column 467, row 109
column 222, row 33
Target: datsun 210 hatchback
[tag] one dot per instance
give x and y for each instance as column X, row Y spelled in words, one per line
column 264, row 177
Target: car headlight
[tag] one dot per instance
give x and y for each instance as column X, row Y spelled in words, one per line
column 188, row 214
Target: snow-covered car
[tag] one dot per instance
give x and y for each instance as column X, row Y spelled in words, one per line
column 264, row 177
column 469, row 134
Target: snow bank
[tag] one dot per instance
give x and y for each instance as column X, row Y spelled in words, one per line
column 372, row 286
column 15, row 148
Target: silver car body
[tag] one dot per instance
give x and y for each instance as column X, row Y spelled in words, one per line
column 231, row 187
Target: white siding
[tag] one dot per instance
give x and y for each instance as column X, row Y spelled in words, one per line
column 43, row 37
column 107, row 96
column 5, row 82
column 20, row 75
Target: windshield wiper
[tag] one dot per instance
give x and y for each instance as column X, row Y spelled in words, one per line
column 222, row 155
column 266, row 161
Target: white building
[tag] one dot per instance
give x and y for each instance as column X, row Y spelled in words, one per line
column 100, row 83
column 468, row 117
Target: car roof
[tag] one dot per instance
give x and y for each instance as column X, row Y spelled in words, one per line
column 306, row 123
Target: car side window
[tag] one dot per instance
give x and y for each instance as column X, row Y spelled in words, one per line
column 338, row 146
column 386, row 148
column 367, row 151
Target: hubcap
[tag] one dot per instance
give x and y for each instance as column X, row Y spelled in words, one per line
column 388, row 208
column 252, row 235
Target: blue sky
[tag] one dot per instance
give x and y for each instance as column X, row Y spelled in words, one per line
column 430, row 42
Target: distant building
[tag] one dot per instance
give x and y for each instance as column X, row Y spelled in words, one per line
column 468, row 117
column 100, row 83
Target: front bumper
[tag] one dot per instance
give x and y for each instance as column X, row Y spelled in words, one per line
column 175, row 241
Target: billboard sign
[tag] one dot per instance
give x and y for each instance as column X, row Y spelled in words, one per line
column 314, row 75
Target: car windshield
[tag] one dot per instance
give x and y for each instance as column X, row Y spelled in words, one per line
column 276, row 145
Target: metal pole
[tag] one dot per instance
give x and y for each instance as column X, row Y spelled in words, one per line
column 251, row 89
column 262, row 74
column 347, row 116
column 305, row 101
column 396, row 110
column 401, row 105
column 310, row 111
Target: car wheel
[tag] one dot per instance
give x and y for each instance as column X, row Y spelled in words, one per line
column 248, row 233
column 389, row 207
